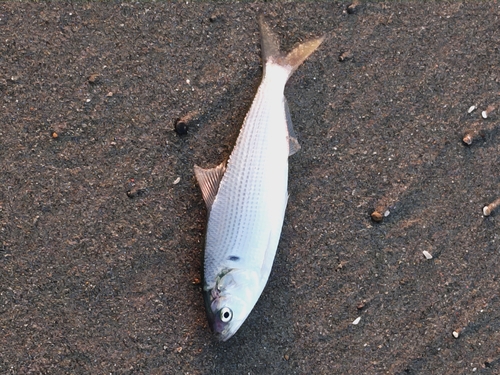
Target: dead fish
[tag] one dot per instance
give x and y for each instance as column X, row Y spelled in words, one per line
column 246, row 199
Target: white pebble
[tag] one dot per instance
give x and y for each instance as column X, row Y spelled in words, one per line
column 387, row 213
column 484, row 114
column 177, row 180
column 427, row 255
column 471, row 109
column 356, row 321
column 455, row 334
column 486, row 211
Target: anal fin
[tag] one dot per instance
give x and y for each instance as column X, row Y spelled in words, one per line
column 293, row 143
column 209, row 181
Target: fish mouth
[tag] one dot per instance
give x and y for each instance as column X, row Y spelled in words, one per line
column 218, row 327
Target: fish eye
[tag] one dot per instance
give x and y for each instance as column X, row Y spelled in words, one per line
column 225, row 314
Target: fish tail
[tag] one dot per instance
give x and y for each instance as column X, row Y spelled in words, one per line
column 271, row 52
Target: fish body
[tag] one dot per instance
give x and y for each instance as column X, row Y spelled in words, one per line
column 246, row 200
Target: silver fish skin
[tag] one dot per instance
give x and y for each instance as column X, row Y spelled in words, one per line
column 246, row 199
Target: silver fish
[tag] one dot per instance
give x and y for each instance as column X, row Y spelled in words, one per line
column 246, row 199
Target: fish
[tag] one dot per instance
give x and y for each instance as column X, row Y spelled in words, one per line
column 246, row 197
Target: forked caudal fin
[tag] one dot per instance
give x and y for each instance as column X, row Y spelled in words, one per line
column 271, row 51
column 209, row 179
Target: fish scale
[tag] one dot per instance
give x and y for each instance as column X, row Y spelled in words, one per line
column 240, row 213
column 246, row 200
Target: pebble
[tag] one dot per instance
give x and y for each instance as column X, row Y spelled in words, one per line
column 471, row 109
column 455, row 334
column 487, row 210
column 353, row 7
column 181, row 126
column 356, row 321
column 488, row 110
column 345, row 56
column 135, row 190
column 361, row 305
column 427, row 255
column 468, row 138
column 94, row 78
column 377, row 216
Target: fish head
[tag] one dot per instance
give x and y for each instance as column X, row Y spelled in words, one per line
column 230, row 301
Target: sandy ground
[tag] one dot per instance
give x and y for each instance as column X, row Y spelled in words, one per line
column 102, row 223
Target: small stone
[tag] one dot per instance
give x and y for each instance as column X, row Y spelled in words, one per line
column 94, row 78
column 377, row 216
column 135, row 190
column 472, row 135
column 181, row 126
column 487, row 210
column 177, row 180
column 456, row 334
column 427, row 255
column 488, row 110
column 55, row 135
column 471, row 109
column 356, row 321
column 467, row 139
column 345, row 56
column 353, row 8
column 216, row 18
column 287, row 357
column 361, row 305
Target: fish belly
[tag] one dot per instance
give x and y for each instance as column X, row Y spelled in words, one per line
column 247, row 215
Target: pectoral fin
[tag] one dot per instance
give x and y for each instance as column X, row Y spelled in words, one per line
column 209, row 181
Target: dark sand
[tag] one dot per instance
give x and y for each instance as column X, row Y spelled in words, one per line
column 97, row 281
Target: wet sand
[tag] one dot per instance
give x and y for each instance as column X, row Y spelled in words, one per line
column 102, row 223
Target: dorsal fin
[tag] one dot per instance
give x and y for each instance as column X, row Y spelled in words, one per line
column 209, row 180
